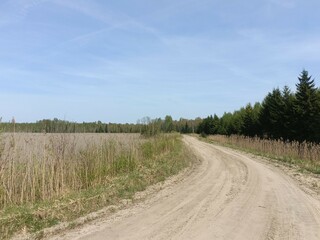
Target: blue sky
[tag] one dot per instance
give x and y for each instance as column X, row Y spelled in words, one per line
column 118, row 61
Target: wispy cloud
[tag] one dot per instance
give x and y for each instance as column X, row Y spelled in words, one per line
column 284, row 3
column 93, row 10
column 114, row 20
column 305, row 49
column 212, row 55
column 27, row 5
column 14, row 11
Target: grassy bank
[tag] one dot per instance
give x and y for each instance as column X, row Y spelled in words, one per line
column 305, row 155
column 57, row 179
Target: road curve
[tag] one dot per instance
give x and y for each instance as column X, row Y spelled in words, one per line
column 229, row 196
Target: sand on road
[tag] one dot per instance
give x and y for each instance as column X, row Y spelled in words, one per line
column 229, row 195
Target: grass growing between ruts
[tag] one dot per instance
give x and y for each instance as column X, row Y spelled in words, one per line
column 62, row 183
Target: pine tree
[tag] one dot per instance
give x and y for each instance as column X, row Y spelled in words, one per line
column 271, row 114
column 288, row 114
column 207, row 126
column 216, row 124
column 307, row 109
column 250, row 125
column 226, row 122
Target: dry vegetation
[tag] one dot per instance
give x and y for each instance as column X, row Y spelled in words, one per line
column 49, row 178
column 306, row 155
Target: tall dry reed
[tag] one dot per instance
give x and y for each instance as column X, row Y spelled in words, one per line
column 49, row 178
column 41, row 167
column 305, row 154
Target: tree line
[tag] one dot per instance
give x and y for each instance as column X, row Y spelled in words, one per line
column 61, row 126
column 146, row 126
column 283, row 114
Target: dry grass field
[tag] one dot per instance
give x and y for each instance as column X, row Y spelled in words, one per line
column 306, row 155
column 43, row 166
column 49, row 178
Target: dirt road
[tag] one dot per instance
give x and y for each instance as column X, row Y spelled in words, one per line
column 229, row 196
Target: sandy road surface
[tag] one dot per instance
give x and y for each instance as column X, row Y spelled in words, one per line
column 229, row 196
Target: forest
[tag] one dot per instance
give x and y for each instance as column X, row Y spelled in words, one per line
column 283, row 114
column 144, row 125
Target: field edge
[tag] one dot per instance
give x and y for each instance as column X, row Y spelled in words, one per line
column 175, row 164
